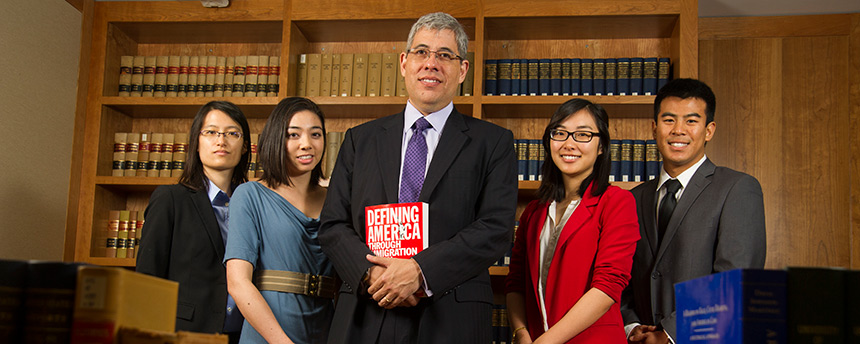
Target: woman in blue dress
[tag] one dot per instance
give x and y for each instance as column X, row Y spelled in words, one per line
column 276, row 270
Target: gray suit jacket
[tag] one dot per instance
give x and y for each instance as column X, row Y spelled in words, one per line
column 718, row 225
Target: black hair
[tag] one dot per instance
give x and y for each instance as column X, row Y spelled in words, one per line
column 193, row 176
column 687, row 88
column 272, row 147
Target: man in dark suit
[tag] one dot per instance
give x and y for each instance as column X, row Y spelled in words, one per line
column 466, row 172
column 695, row 219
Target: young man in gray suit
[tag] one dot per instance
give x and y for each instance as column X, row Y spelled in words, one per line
column 695, row 219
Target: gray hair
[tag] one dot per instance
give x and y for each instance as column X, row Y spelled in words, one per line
column 441, row 21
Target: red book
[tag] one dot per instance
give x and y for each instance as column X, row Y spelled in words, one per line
column 397, row 230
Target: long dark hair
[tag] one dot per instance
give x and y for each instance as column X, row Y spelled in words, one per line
column 193, row 176
column 552, row 185
column 272, row 152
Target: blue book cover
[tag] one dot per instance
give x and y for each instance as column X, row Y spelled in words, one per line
column 636, row 76
column 586, row 82
column 652, row 160
column 565, row 77
column 649, row 76
column 533, row 77
column 503, row 79
column 555, row 77
column 490, row 72
column 623, row 74
column 534, row 159
column 515, row 77
column 599, row 76
column 615, row 160
column 575, row 80
column 638, row 161
column 743, row 306
column 522, row 149
column 611, row 77
column 626, row 161
column 544, row 77
column 663, row 71
column 524, row 77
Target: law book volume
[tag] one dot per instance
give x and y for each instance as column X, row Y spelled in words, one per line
column 397, row 230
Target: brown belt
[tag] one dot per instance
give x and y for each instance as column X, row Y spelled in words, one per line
column 295, row 282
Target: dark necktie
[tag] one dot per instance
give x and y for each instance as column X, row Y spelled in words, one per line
column 667, row 206
column 414, row 163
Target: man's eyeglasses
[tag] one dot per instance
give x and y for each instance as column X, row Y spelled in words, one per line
column 230, row 135
column 578, row 136
column 444, row 55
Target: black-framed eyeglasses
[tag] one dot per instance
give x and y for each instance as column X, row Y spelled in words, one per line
column 578, row 136
column 212, row 134
column 442, row 55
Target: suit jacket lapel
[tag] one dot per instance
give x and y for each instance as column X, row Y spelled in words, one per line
column 388, row 146
column 697, row 184
column 650, row 215
column 584, row 211
column 207, row 218
column 450, row 143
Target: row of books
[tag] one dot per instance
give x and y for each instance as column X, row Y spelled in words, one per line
column 149, row 154
column 199, row 76
column 357, row 75
column 795, row 305
column 576, row 76
column 56, row 302
column 631, row 160
column 122, row 235
column 501, row 330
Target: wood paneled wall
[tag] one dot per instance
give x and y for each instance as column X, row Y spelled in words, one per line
column 788, row 103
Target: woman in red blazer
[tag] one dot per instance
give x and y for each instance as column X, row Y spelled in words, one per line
column 574, row 247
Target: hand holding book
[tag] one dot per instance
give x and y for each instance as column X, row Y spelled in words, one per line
column 397, row 284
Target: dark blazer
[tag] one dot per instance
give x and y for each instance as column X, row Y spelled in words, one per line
column 181, row 241
column 594, row 250
column 471, row 187
column 718, row 225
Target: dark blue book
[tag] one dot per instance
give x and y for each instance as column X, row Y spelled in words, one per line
column 599, row 77
column 541, row 158
column 522, row 147
column 649, row 76
column 636, row 76
column 615, row 160
column 505, row 329
column 490, row 73
column 565, row 77
column 638, row 160
column 611, row 77
column 816, row 305
column 663, row 71
column 623, row 73
column 524, row 77
column 515, row 77
column 534, row 159
column 544, row 77
column 626, row 160
column 555, row 77
column 742, row 306
column 534, row 77
column 586, row 81
column 575, row 80
column 652, row 160
column 503, row 79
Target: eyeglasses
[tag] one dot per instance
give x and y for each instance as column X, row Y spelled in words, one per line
column 230, row 135
column 445, row 55
column 578, row 136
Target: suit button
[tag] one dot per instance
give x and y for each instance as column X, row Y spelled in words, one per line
column 655, row 274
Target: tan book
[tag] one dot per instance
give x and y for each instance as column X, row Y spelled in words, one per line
column 125, row 71
column 230, row 64
column 139, row 227
column 252, row 161
column 137, row 76
column 112, row 234
column 119, row 144
column 388, row 81
column 332, row 145
column 374, row 74
column 335, row 75
column 314, row 73
column 202, row 70
column 359, row 75
column 193, row 66
column 469, row 83
column 142, row 155
column 182, row 82
column 166, row 155
column 209, row 85
column 131, row 154
column 155, row 145
column 302, row 76
column 401, row 84
column 107, row 298
column 180, row 148
column 220, row 69
column 274, row 76
column 149, row 63
column 262, row 76
column 239, row 76
column 160, row 87
column 251, row 76
column 122, row 234
column 172, row 76
column 346, row 64
column 131, row 240
column 325, row 74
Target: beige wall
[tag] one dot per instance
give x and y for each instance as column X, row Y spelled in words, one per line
column 39, row 52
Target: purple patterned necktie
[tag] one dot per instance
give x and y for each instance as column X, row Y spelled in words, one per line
column 414, row 163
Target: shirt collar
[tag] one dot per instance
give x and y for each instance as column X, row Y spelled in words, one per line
column 684, row 177
column 213, row 191
column 437, row 119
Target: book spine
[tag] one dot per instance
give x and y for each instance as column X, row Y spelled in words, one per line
column 201, row 75
column 575, row 76
column 149, row 65
column 166, row 155
column 534, row 77
column 623, row 76
column 142, row 155
column 332, row 144
column 239, row 76
column 469, row 82
column 599, row 76
column 325, row 75
column 819, row 319
column 503, row 78
column 335, row 74
column 615, row 160
column 359, row 75
column 565, row 76
column 229, row 73
column 112, row 234
column 401, row 84
column 490, row 77
column 524, row 77
column 389, row 75
column 626, row 160
column 636, row 76
column 252, row 161
column 649, row 76
column 220, row 73
column 544, row 76
column 182, row 81
column 374, row 74
column 522, row 149
column 534, row 159
column 180, row 147
column 852, row 303
column 137, row 76
column 193, row 66
column 131, row 155
column 663, row 70
column 12, row 298
column 252, row 76
column 49, row 302
column 638, row 161
column 652, row 160
column 274, row 76
column 555, row 77
column 263, row 76
column 586, row 77
column 122, row 234
column 131, row 240
column 346, row 70
column 119, row 144
column 172, row 89
column 160, row 88
column 125, row 72
column 154, row 154
column 314, row 67
column 611, row 77
column 516, row 77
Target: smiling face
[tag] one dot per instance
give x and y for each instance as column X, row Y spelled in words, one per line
column 432, row 83
column 221, row 152
column 305, row 143
column 681, row 133
column 574, row 159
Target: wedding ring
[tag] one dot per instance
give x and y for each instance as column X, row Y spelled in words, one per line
column 386, row 299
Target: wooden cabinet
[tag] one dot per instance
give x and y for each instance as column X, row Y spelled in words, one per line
column 497, row 29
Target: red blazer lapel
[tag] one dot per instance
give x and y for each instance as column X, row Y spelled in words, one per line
column 579, row 217
column 537, row 220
